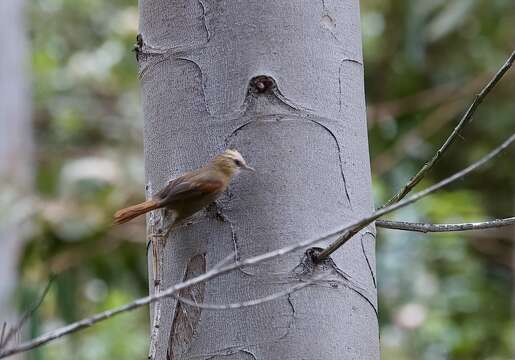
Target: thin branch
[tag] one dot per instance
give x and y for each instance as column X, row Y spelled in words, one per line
column 258, row 301
column 466, row 118
column 26, row 316
column 432, row 123
column 218, row 271
column 248, row 303
column 425, row 228
column 387, row 111
column 88, row 322
column 342, row 239
column 226, row 260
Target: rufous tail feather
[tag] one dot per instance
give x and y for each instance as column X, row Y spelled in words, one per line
column 129, row 213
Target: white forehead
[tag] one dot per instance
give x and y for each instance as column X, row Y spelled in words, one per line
column 234, row 154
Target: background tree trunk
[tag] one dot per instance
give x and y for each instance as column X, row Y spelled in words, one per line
column 283, row 83
column 15, row 147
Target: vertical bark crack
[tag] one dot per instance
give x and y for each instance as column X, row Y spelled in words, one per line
column 372, row 274
column 234, row 236
column 204, row 19
column 340, row 161
column 292, row 321
column 202, row 81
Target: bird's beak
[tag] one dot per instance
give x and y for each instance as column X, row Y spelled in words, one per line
column 248, row 168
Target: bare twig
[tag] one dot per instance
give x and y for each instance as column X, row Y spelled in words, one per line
column 467, row 117
column 386, row 111
column 342, row 239
column 87, row 322
column 26, row 316
column 432, row 123
column 248, row 303
column 218, row 271
column 237, row 305
column 226, row 260
column 382, row 112
column 425, row 228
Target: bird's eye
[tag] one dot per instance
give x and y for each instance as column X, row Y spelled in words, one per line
column 238, row 162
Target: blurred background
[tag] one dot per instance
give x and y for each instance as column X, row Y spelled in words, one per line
column 71, row 153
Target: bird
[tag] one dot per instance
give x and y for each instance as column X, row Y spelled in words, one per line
column 192, row 191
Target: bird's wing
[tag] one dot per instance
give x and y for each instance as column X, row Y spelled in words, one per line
column 188, row 186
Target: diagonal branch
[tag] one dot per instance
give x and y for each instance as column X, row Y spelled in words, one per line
column 342, row 239
column 350, row 228
column 425, row 228
column 248, row 303
column 26, row 316
column 87, row 322
column 264, row 299
column 466, row 118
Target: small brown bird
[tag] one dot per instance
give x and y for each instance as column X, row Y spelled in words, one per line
column 192, row 191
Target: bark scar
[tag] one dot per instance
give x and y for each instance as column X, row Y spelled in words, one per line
column 186, row 319
column 328, row 22
column 157, row 239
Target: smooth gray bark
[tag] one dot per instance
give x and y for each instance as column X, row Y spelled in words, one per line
column 305, row 135
column 15, row 147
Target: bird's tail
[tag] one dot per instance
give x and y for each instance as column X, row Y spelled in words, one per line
column 129, row 213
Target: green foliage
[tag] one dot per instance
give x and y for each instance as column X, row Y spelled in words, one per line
column 441, row 296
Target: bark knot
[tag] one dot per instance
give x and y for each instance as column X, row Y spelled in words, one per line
column 309, row 264
column 138, row 47
column 262, row 84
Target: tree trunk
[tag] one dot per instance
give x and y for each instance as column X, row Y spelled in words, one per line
column 282, row 82
column 15, row 147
